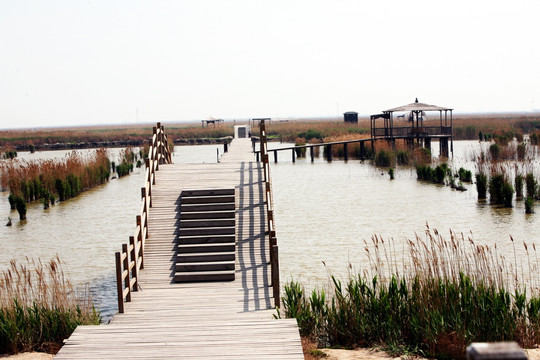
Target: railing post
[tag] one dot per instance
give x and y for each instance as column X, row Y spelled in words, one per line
column 119, row 286
column 155, row 144
column 126, row 267
column 293, row 155
column 345, row 151
column 140, row 239
column 134, row 255
column 144, row 198
column 275, row 276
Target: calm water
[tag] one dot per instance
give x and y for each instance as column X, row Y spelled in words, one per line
column 87, row 230
column 324, row 211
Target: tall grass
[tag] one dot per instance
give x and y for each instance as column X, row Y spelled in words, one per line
column 35, row 180
column 449, row 293
column 39, row 307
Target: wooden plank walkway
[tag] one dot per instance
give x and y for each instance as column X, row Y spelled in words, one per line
column 227, row 320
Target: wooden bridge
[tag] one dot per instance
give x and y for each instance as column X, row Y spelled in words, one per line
column 183, row 234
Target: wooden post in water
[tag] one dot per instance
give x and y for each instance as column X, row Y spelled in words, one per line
column 345, row 151
column 427, row 143
column 443, row 147
column 275, row 156
column 329, row 152
column 119, row 289
column 311, row 151
column 293, row 155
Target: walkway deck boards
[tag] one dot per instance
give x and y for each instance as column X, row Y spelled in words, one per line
column 226, row 320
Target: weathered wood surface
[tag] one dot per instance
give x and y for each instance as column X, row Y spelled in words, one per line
column 227, row 320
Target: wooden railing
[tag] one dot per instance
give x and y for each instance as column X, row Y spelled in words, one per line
column 130, row 260
column 272, row 240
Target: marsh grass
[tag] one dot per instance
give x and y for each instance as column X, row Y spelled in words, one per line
column 39, row 307
column 37, row 180
column 447, row 293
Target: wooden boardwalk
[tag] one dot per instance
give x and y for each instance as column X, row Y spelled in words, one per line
column 228, row 320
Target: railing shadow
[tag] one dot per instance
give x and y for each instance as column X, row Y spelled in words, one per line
column 252, row 249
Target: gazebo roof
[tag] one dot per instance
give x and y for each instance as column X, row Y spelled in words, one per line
column 416, row 106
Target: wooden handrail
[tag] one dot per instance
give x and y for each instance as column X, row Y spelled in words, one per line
column 130, row 260
column 272, row 240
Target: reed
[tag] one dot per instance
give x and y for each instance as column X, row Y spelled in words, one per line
column 518, row 184
column 36, row 180
column 529, row 205
column 465, row 175
column 500, row 190
column 436, row 175
column 448, row 293
column 300, row 151
column 39, row 307
column 383, row 158
column 531, row 185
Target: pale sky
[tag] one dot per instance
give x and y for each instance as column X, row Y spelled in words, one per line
column 72, row 62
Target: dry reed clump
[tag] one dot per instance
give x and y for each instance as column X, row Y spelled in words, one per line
column 445, row 294
column 39, row 307
column 34, row 180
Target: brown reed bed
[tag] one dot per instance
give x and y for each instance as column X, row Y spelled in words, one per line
column 39, row 307
column 433, row 298
column 39, row 179
column 466, row 127
column 80, row 137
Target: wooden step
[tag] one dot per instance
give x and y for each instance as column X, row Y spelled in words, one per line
column 206, row 256
column 207, row 239
column 203, row 223
column 201, row 248
column 207, row 192
column 207, row 199
column 200, row 266
column 207, row 207
column 207, row 215
column 207, row 231
column 204, row 276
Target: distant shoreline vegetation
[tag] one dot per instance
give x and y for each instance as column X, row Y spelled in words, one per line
column 466, row 127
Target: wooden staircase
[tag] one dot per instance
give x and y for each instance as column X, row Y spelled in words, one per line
column 207, row 236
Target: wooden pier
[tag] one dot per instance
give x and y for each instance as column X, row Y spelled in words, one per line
column 163, row 318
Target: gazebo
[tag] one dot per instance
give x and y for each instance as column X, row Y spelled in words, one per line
column 211, row 120
column 413, row 125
